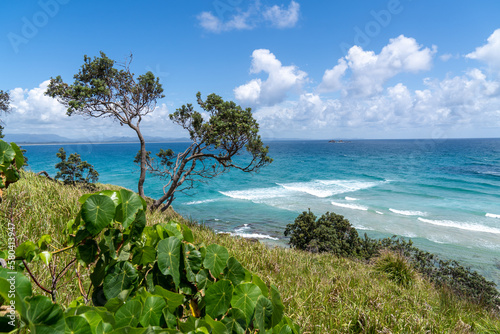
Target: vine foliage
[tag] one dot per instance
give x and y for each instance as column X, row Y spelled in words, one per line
column 144, row 279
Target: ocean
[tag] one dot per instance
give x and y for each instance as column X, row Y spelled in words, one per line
column 442, row 194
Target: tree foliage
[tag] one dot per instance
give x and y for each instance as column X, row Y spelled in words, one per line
column 72, row 170
column 104, row 88
column 228, row 139
column 11, row 162
column 4, row 107
column 144, row 279
column 330, row 233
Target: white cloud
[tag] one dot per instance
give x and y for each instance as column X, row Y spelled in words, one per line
column 490, row 52
column 448, row 107
column 212, row 23
column 281, row 17
column 35, row 113
column 445, row 57
column 281, row 79
column 252, row 17
column 370, row 71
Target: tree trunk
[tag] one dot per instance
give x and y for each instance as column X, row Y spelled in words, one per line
column 142, row 177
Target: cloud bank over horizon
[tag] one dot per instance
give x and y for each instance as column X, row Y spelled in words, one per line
column 363, row 92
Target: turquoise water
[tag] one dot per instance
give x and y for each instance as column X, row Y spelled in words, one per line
column 444, row 195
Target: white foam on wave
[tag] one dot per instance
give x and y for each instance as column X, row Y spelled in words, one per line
column 256, row 194
column 243, row 228
column 252, row 235
column 350, row 206
column 492, row 215
column 347, row 198
column 316, row 188
column 380, row 213
column 462, row 226
column 408, row 212
column 308, row 188
column 200, row 202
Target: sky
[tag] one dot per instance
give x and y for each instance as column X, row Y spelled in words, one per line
column 371, row 69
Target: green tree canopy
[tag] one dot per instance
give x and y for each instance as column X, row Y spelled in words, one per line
column 105, row 88
column 73, row 170
column 229, row 131
column 4, row 107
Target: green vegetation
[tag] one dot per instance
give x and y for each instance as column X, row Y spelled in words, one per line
column 104, row 88
column 4, row 107
column 143, row 279
column 228, row 132
column 75, row 171
column 11, row 162
column 333, row 234
column 321, row 292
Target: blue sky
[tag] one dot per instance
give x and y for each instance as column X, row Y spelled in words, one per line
column 315, row 69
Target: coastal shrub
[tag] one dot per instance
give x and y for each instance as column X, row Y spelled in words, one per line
column 75, row 171
column 333, row 233
column 396, row 267
column 462, row 281
column 143, row 279
column 330, row 233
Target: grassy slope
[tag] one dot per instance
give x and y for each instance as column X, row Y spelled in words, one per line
column 323, row 293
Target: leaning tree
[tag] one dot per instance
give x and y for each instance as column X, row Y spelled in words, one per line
column 4, row 107
column 105, row 88
column 227, row 139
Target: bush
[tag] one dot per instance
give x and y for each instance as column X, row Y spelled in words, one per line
column 74, row 170
column 396, row 267
column 330, row 233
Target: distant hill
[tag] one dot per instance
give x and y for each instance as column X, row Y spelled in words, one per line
column 26, row 138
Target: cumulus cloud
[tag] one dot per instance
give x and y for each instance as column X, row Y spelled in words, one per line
column 212, row 23
column 282, row 18
column 490, row 52
column 35, row 113
column 281, row 79
column 446, row 107
column 229, row 18
column 369, row 71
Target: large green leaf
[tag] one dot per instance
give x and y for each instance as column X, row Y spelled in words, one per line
column 263, row 314
column 260, row 283
column 144, row 255
column 218, row 298
column 95, row 321
column 187, row 233
column 77, row 325
column 44, row 317
column 19, row 155
column 245, row 297
column 87, row 253
column 113, row 194
column 152, row 311
column 138, row 226
column 235, row 321
column 169, row 258
column 98, row 212
column 27, row 250
column 128, row 314
column 192, row 261
column 217, row 326
column 234, row 271
column 120, row 276
column 130, row 204
column 278, row 306
column 216, row 259
column 173, row 299
column 7, row 154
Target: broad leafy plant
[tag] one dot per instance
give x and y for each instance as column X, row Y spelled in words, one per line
column 144, row 279
column 11, row 161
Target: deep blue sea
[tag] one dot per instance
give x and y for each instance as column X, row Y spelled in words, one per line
column 444, row 195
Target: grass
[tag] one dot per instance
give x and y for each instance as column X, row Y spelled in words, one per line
column 321, row 292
